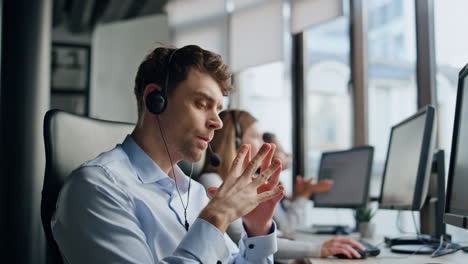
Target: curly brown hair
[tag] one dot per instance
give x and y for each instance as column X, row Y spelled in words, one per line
column 155, row 67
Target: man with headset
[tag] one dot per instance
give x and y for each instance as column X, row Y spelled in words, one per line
column 134, row 205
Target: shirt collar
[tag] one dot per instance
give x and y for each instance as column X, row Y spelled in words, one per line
column 147, row 170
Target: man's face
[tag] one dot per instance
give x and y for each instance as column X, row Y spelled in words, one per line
column 191, row 116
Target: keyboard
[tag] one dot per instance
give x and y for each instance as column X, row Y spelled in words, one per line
column 370, row 251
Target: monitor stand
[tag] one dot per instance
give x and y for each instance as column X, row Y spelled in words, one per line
column 431, row 216
column 422, row 244
column 331, row 229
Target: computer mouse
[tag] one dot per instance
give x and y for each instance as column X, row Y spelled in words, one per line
column 343, row 256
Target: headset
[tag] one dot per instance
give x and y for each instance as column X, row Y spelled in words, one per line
column 237, row 130
column 156, row 103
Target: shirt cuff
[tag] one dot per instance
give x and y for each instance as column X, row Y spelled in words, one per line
column 205, row 242
column 259, row 247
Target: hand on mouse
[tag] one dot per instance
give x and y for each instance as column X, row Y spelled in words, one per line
column 341, row 245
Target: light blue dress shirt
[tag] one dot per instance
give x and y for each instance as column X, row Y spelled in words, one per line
column 122, row 208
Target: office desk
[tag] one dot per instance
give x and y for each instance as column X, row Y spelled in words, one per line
column 385, row 256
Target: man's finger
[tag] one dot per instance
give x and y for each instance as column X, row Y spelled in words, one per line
column 267, row 161
column 278, row 198
column 255, row 163
column 211, row 191
column 274, row 179
column 265, row 196
column 247, row 158
column 267, row 174
column 237, row 163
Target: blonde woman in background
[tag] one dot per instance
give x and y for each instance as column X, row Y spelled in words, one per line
column 292, row 215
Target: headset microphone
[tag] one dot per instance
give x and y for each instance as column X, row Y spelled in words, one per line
column 215, row 160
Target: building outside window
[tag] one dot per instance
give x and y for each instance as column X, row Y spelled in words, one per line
column 265, row 91
column 392, row 88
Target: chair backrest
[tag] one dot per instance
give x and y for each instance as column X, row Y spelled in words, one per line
column 70, row 140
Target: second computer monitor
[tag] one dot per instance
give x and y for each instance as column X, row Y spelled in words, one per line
column 350, row 170
column 409, row 160
column 456, row 210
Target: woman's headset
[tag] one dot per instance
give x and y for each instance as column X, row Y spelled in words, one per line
column 238, row 139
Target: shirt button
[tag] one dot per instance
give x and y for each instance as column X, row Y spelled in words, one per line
column 251, row 246
column 219, row 262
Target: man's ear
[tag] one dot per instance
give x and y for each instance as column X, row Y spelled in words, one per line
column 149, row 88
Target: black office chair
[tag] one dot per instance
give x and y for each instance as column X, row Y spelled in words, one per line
column 70, row 140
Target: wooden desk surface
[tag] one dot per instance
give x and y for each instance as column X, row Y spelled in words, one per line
column 385, row 256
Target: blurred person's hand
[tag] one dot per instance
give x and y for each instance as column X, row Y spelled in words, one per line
column 306, row 188
column 340, row 245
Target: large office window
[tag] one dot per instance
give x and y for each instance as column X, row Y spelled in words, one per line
column 328, row 112
column 451, row 56
column 328, row 102
column 392, row 73
column 265, row 91
column 392, row 90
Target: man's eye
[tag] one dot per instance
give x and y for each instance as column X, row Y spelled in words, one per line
column 201, row 104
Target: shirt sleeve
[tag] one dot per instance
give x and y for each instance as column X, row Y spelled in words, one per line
column 295, row 249
column 258, row 249
column 94, row 222
column 218, row 248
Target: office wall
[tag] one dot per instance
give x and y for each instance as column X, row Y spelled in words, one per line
column 118, row 49
column 26, row 30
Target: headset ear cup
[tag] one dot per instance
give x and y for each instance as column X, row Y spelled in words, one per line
column 237, row 140
column 155, row 102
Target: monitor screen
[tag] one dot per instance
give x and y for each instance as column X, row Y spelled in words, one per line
column 350, row 170
column 409, row 157
column 457, row 194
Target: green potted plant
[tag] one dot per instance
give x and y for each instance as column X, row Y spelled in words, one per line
column 363, row 217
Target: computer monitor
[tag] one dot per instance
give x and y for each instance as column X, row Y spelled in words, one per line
column 456, row 208
column 412, row 168
column 409, row 159
column 350, row 170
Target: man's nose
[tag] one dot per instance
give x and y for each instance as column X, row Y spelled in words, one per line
column 215, row 122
